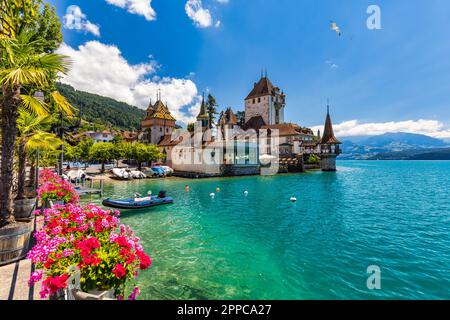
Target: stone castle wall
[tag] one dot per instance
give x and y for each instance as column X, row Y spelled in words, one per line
column 328, row 162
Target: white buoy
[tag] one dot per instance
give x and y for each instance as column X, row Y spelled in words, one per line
column 212, row 195
column 293, row 199
column 245, row 193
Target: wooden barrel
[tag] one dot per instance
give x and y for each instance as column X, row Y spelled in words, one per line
column 15, row 241
column 24, row 209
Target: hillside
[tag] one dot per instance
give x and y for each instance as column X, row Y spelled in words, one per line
column 422, row 154
column 107, row 111
column 390, row 146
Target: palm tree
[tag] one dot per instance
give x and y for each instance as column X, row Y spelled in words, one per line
column 40, row 143
column 21, row 68
column 28, row 125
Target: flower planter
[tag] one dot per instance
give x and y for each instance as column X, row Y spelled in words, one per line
column 15, row 241
column 91, row 295
column 24, row 209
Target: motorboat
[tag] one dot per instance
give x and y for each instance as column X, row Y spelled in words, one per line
column 138, row 174
column 121, row 174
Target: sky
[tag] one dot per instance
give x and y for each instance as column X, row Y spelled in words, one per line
column 392, row 79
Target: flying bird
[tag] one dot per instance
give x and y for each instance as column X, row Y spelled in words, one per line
column 335, row 28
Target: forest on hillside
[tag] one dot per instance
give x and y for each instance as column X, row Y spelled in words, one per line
column 102, row 110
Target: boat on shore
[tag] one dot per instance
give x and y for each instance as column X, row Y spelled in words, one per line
column 121, row 174
column 139, row 203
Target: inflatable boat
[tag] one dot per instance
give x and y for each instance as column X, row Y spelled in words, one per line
column 138, row 203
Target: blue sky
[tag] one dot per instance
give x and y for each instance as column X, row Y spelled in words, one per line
column 393, row 79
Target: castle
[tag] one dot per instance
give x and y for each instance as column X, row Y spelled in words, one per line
column 262, row 142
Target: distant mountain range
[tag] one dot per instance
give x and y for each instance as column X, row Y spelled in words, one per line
column 395, row 146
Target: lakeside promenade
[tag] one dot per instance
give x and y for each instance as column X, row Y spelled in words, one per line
column 14, row 282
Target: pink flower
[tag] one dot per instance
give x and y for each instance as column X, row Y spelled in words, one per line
column 134, row 294
column 35, row 277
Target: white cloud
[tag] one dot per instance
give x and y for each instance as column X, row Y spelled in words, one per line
column 353, row 128
column 139, row 7
column 223, row 1
column 101, row 69
column 195, row 11
column 75, row 19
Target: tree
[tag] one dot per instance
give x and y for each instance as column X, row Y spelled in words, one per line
column 21, row 67
column 313, row 159
column 119, row 151
column 240, row 115
column 27, row 30
column 211, row 109
column 45, row 144
column 145, row 153
column 191, row 127
column 28, row 125
column 102, row 151
column 84, row 148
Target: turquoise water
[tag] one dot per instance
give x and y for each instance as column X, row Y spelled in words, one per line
column 392, row 214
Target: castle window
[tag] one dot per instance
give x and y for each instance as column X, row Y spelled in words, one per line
column 167, row 130
column 259, row 100
column 254, row 100
column 160, row 129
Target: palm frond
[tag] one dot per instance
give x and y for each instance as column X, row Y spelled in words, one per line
column 43, row 141
column 62, row 104
column 34, row 105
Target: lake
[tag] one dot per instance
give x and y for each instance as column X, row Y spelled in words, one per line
column 394, row 215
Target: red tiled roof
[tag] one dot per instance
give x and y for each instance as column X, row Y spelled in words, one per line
column 167, row 141
column 228, row 117
column 262, row 88
column 285, row 129
column 254, row 123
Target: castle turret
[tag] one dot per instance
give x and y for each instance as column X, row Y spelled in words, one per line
column 203, row 116
column 329, row 146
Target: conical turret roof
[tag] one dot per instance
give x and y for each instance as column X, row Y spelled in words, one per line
column 328, row 133
column 203, row 115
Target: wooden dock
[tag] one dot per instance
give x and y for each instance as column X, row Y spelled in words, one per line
column 83, row 189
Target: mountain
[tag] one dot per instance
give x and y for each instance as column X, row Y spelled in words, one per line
column 390, row 146
column 443, row 154
column 420, row 154
column 402, row 141
column 103, row 110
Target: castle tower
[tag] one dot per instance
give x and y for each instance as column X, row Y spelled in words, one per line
column 158, row 122
column 267, row 101
column 329, row 146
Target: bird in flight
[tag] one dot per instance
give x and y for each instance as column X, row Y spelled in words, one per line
column 335, row 28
